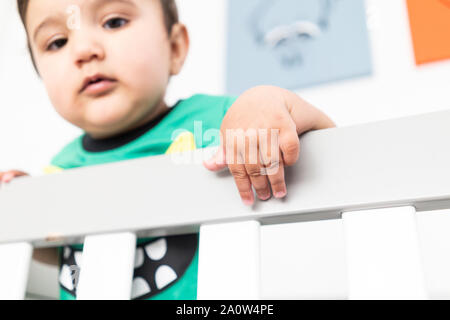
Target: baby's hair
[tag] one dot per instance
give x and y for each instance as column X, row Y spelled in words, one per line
column 169, row 7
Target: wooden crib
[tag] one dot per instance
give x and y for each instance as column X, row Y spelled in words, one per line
column 373, row 177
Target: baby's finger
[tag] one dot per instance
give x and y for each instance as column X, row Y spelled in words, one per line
column 254, row 167
column 276, row 178
column 274, row 168
column 271, row 158
column 7, row 176
column 258, row 180
column 243, row 183
column 290, row 146
column 216, row 162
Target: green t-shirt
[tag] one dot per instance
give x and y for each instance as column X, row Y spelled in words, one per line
column 165, row 268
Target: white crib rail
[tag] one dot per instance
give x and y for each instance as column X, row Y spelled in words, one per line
column 396, row 163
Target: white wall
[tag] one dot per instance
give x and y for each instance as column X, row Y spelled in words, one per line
column 31, row 132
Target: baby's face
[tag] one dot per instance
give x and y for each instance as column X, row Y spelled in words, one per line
column 122, row 44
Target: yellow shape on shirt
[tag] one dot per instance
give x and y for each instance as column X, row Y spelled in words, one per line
column 52, row 169
column 184, row 142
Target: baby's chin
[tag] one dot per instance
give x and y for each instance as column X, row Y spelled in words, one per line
column 108, row 118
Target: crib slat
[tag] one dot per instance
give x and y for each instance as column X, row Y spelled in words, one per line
column 107, row 268
column 383, row 254
column 304, row 260
column 14, row 268
column 435, row 244
column 229, row 261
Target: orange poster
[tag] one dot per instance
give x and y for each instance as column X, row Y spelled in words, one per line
column 430, row 29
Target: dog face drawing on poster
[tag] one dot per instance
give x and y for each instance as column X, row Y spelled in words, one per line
column 288, row 26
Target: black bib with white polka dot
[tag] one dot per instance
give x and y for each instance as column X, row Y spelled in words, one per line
column 159, row 263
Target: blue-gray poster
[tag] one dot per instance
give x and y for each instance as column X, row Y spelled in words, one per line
column 295, row 43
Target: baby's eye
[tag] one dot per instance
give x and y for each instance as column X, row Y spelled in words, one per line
column 57, row 44
column 115, row 23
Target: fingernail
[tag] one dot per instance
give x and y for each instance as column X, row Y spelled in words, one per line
column 214, row 161
column 208, row 162
column 280, row 194
column 248, row 199
column 265, row 196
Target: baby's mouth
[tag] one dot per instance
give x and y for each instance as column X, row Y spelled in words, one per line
column 97, row 84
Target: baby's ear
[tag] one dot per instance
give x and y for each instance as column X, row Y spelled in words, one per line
column 179, row 45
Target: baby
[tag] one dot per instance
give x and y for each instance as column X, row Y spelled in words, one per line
column 106, row 65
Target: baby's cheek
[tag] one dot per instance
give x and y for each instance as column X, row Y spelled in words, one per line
column 147, row 74
column 61, row 98
column 145, row 63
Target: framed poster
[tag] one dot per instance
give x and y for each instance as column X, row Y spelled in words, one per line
column 430, row 29
column 295, row 43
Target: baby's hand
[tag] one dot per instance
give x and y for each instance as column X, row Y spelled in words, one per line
column 7, row 176
column 276, row 117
